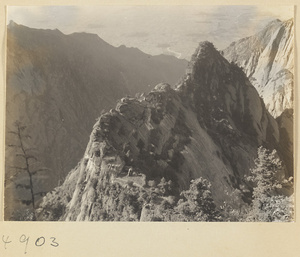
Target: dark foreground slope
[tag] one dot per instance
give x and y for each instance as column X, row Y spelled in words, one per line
column 209, row 127
column 58, row 84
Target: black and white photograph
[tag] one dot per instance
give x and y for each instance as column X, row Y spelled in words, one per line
column 150, row 113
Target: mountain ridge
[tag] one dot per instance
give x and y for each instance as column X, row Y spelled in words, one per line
column 267, row 59
column 58, row 84
column 180, row 134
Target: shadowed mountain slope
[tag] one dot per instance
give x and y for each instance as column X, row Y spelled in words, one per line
column 57, row 85
column 210, row 127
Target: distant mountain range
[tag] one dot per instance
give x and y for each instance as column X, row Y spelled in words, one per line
column 57, row 85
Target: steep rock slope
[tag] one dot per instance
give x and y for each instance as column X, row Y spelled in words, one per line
column 268, row 60
column 207, row 127
column 58, row 84
column 286, row 131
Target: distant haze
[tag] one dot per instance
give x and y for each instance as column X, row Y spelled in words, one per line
column 174, row 30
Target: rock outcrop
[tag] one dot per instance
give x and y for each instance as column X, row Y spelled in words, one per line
column 210, row 126
column 57, row 85
column 268, row 60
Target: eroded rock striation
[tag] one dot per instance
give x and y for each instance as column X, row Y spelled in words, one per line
column 210, row 126
column 268, row 60
column 58, row 84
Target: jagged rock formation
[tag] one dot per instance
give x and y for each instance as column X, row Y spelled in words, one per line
column 209, row 127
column 268, row 60
column 58, row 84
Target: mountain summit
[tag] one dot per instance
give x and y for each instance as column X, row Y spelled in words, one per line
column 210, row 126
column 57, row 85
column 268, row 60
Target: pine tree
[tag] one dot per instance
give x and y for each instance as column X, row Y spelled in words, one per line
column 268, row 202
column 267, row 173
column 25, row 163
column 198, row 204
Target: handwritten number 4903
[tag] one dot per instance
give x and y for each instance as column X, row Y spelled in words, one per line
column 25, row 240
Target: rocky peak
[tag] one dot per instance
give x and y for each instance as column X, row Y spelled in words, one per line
column 219, row 90
column 289, row 22
column 62, row 82
column 267, row 58
column 205, row 50
column 209, row 127
column 11, row 24
column 206, row 58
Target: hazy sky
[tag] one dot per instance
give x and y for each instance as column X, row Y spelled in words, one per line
column 173, row 30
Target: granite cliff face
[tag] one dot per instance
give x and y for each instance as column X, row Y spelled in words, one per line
column 58, row 84
column 210, row 126
column 268, row 60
